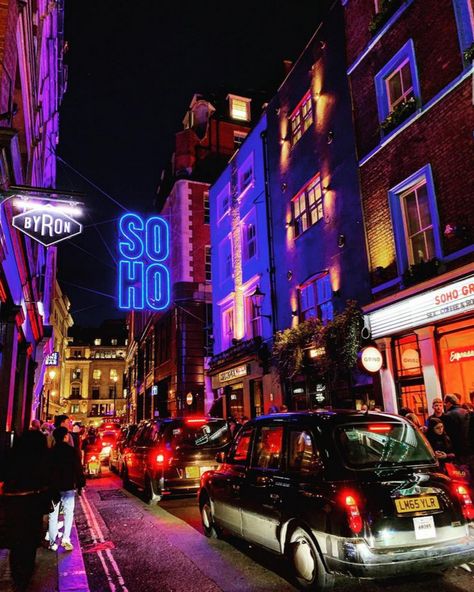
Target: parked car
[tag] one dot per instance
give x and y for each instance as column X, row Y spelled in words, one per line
column 108, row 441
column 169, row 456
column 348, row 493
column 117, row 452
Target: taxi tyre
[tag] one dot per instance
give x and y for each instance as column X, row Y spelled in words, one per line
column 211, row 530
column 149, row 495
column 306, row 563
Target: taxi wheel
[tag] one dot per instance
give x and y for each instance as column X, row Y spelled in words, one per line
column 211, row 530
column 308, row 569
column 150, row 496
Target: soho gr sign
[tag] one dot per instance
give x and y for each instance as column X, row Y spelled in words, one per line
column 143, row 278
column 429, row 307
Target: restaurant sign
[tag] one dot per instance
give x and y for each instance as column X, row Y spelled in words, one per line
column 463, row 354
column 429, row 307
column 232, row 373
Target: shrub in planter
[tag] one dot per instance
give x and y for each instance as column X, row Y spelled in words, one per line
column 402, row 111
column 469, row 54
column 387, row 8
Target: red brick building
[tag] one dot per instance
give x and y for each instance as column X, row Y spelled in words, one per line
column 167, row 351
column 410, row 71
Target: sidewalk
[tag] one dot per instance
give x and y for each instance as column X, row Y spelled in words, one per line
column 62, row 571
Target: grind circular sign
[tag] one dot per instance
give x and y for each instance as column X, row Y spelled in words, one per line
column 370, row 359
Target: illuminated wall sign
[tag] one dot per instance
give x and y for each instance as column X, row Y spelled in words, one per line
column 47, row 224
column 410, row 359
column 464, row 354
column 52, row 359
column 429, row 307
column 236, row 372
column 143, row 279
column 370, row 359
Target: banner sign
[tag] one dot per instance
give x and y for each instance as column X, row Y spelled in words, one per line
column 432, row 306
column 462, row 354
column 52, row 359
column 143, row 278
column 236, row 372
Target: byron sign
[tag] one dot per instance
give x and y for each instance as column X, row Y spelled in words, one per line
column 143, row 276
column 47, row 224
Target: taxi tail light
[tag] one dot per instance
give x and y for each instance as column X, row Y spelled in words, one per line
column 93, row 458
column 163, row 458
column 380, row 428
column 196, row 420
column 353, row 515
column 466, row 502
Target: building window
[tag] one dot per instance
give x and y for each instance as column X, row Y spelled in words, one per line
column 75, row 392
column 96, row 374
column 246, row 174
column 415, row 220
column 75, row 408
column 114, row 374
column 316, row 299
column 397, row 82
column 76, row 374
column 113, row 342
column 208, row 267
column 97, row 341
column 223, row 202
column 301, row 118
column 225, row 259
column 252, row 319
column 77, row 353
column 250, row 241
column 239, row 108
column 227, row 328
column 112, row 392
column 308, row 206
column 239, row 138
column 206, row 207
column 95, row 392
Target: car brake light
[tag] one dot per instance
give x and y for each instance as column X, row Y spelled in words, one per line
column 196, row 420
column 380, row 427
column 162, row 458
column 466, row 502
column 353, row 514
column 93, row 458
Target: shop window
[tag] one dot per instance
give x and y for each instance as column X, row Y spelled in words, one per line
column 301, row 118
column 456, row 348
column 408, row 356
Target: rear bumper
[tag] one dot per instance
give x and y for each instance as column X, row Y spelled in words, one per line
column 358, row 560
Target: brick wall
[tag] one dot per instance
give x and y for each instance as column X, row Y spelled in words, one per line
column 200, row 232
column 8, row 55
column 442, row 138
column 437, row 52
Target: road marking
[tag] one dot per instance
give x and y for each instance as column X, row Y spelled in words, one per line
column 98, row 537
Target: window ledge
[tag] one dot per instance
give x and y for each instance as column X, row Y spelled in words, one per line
column 378, row 36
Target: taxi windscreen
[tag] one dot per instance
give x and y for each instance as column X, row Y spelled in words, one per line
column 211, row 434
column 382, row 444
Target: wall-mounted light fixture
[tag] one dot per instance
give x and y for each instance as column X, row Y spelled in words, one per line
column 325, row 188
column 341, row 240
column 294, row 313
column 257, row 300
column 284, row 186
column 330, row 137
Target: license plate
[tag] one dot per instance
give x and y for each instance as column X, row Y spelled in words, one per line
column 204, row 469
column 191, row 472
column 94, row 466
column 424, row 527
column 425, row 503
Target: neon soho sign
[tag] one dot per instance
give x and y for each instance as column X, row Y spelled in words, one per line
column 143, row 279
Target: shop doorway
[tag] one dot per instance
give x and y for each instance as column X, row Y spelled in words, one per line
column 409, row 376
column 256, row 398
column 235, row 400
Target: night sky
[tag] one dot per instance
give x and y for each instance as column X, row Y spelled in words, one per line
column 133, row 68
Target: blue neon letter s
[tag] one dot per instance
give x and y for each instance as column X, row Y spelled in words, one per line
column 130, row 242
column 157, row 239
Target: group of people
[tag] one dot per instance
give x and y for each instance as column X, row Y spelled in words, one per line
column 41, row 475
column 449, row 429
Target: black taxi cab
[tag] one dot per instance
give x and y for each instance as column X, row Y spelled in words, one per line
column 339, row 493
column 168, row 456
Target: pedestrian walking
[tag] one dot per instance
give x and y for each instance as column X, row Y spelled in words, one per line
column 66, row 477
column 456, row 423
column 26, row 498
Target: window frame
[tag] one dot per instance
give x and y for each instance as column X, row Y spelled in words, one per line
column 227, row 336
column 224, row 193
column 206, row 208
column 404, row 54
column 246, row 167
column 239, row 138
column 318, row 285
column 297, row 131
column 207, row 263
column 237, row 98
column 305, row 214
column 399, row 230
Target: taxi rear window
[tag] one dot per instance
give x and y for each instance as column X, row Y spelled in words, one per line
column 212, row 434
column 381, row 444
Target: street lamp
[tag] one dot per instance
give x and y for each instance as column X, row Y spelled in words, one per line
column 52, row 375
column 115, row 379
column 257, row 301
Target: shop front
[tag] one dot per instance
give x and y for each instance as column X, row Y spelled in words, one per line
column 427, row 336
column 240, row 385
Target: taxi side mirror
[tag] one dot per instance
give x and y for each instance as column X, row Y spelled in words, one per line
column 220, row 457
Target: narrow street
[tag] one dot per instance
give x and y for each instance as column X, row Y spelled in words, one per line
column 129, row 546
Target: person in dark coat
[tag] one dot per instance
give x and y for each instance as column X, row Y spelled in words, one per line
column 25, row 495
column 456, row 423
column 439, row 440
column 66, row 477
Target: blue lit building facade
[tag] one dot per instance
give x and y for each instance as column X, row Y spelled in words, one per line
column 317, row 221
column 243, row 382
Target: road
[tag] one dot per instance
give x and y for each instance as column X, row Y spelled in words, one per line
column 131, row 547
